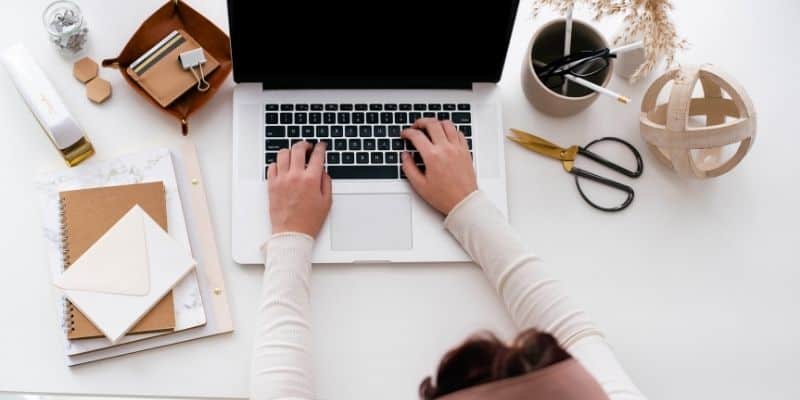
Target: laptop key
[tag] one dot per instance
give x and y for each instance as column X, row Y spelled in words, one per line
column 354, row 144
column 270, row 157
column 391, row 157
column 275, row 131
column 372, row 118
column 307, row 131
column 333, row 157
column 293, row 131
column 361, row 107
column 322, row 131
column 286, row 118
column 277, row 144
column 347, row 158
column 343, row 118
column 384, row 144
column 316, row 107
column 346, row 107
column 429, row 115
column 301, row 107
column 390, row 107
column 340, row 144
column 337, row 131
column 461, row 118
column 379, row 131
column 386, row 118
column 413, row 116
column 420, row 107
column 362, row 157
column 463, row 107
column 287, row 107
column 442, row 116
column 300, row 118
column 466, row 130
column 398, row 144
column 449, row 107
column 405, row 107
column 394, row 131
column 331, row 107
column 271, row 118
column 365, row 131
column 314, row 118
column 400, row 117
column 357, row 117
column 363, row 172
column 350, row 131
column 271, row 107
column 369, row 144
column 376, row 158
column 329, row 118
column 375, row 107
column 434, row 107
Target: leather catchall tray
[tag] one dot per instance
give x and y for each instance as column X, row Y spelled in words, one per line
column 177, row 15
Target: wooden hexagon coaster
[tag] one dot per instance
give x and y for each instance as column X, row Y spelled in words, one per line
column 85, row 69
column 98, row 90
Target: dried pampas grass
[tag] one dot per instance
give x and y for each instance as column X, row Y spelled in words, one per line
column 648, row 20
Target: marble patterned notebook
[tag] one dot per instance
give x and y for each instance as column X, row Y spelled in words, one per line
column 151, row 166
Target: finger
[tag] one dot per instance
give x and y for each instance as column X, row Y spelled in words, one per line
column 434, row 129
column 315, row 164
column 299, row 150
column 415, row 177
column 272, row 171
column 284, row 155
column 450, row 131
column 418, row 139
column 327, row 187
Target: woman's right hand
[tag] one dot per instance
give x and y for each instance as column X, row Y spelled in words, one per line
column 449, row 176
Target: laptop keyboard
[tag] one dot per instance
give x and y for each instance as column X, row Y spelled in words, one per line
column 363, row 139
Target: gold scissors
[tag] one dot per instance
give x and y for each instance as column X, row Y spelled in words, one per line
column 567, row 157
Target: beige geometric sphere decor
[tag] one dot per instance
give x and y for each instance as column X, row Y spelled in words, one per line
column 695, row 151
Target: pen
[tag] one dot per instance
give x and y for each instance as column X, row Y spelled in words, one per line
column 597, row 88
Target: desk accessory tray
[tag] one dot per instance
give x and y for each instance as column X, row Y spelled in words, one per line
column 177, row 15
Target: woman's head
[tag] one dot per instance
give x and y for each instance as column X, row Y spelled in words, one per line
column 483, row 358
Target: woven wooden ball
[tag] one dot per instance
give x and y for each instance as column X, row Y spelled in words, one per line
column 729, row 119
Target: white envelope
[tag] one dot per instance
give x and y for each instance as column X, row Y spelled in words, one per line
column 125, row 273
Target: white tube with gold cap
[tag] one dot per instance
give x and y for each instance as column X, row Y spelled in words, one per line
column 45, row 103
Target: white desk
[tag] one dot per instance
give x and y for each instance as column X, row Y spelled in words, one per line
column 696, row 285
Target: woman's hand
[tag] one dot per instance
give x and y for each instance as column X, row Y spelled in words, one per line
column 449, row 176
column 299, row 195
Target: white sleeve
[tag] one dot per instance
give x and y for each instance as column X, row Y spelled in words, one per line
column 281, row 364
column 534, row 298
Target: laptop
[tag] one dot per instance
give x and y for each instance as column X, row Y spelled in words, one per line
column 355, row 74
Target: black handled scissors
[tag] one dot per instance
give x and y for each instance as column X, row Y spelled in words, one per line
column 567, row 157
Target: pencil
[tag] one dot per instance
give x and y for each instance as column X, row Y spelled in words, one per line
column 567, row 41
column 597, row 88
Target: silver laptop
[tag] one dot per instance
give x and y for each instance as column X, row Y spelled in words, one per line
column 355, row 75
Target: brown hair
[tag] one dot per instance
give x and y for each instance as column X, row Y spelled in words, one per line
column 484, row 358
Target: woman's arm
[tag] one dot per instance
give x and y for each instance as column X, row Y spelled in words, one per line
column 534, row 298
column 300, row 198
column 532, row 295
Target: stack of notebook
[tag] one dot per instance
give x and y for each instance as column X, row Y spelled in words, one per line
column 96, row 211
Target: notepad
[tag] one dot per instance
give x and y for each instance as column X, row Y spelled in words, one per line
column 86, row 215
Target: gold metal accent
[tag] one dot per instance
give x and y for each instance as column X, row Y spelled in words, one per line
column 546, row 148
column 217, row 291
column 195, row 181
column 75, row 154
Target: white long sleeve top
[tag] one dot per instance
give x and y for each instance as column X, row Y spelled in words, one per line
column 281, row 364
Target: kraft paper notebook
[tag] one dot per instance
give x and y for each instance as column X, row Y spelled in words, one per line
column 86, row 215
column 200, row 299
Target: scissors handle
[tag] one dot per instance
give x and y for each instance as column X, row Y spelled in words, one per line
column 580, row 173
column 584, row 151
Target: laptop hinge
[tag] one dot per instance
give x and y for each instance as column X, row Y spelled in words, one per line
column 288, row 84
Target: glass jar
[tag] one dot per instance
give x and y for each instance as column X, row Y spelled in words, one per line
column 66, row 27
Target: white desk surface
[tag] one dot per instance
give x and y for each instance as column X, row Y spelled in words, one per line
column 696, row 285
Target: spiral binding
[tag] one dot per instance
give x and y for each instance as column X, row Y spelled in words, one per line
column 68, row 308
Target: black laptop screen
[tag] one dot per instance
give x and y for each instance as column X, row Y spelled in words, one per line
column 350, row 44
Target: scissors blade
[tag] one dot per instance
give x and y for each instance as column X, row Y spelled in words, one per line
column 536, row 144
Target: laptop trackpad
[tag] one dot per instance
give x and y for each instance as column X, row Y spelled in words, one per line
column 371, row 222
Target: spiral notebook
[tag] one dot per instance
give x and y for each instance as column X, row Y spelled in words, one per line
column 86, row 214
